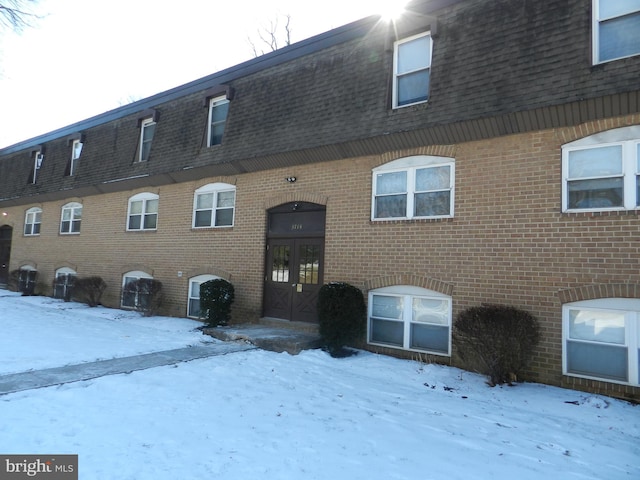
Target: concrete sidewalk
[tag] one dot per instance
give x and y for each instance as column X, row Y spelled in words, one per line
column 18, row 382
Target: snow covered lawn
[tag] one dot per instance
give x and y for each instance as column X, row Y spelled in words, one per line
column 265, row 415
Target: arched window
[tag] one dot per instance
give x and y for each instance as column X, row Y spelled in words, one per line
column 132, row 295
column 601, row 339
column 193, row 309
column 143, row 212
column 71, row 218
column 32, row 220
column 27, row 276
column 410, row 318
column 214, row 205
column 601, row 172
column 63, row 283
column 421, row 186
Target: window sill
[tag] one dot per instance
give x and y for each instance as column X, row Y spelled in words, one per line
column 410, row 220
column 200, row 229
column 600, row 213
column 413, row 350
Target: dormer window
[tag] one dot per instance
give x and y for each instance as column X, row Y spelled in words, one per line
column 218, row 110
column 76, row 150
column 411, row 70
column 38, row 157
column 147, row 129
column 615, row 30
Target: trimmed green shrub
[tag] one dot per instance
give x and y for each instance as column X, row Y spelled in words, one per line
column 216, row 297
column 342, row 314
column 89, row 290
column 496, row 340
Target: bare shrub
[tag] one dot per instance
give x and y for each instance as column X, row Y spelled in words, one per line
column 89, row 290
column 496, row 340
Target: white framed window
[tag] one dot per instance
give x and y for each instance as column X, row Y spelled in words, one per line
column 411, row 70
column 147, row 129
column 214, row 205
column 71, row 218
column 133, row 296
column 218, row 110
column 32, row 221
column 143, row 212
column 76, row 151
column 193, row 308
column 63, row 283
column 38, row 158
column 421, row 186
column 601, row 340
column 601, row 172
column 27, row 276
column 616, row 29
column 410, row 318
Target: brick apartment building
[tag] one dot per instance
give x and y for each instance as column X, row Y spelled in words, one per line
column 477, row 151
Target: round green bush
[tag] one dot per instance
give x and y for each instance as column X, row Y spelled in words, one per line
column 342, row 315
column 216, row 297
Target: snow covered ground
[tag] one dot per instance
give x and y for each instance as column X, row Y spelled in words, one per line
column 265, row 415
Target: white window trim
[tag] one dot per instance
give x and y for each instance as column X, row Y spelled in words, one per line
column 146, row 123
column 73, row 206
column 595, row 31
column 32, row 211
column 626, row 137
column 28, row 269
column 144, row 197
column 215, row 189
column 410, row 165
column 408, row 292
column 199, row 279
column 631, row 308
column 214, row 102
column 76, row 151
column 38, row 158
column 396, row 46
column 65, row 271
column 135, row 275
column 68, row 272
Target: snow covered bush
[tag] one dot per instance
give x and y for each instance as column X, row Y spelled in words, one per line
column 342, row 314
column 496, row 340
column 216, row 297
column 89, row 290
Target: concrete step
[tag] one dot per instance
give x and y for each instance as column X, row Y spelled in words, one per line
column 267, row 337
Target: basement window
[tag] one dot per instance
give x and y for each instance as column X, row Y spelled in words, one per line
column 601, row 340
column 410, row 318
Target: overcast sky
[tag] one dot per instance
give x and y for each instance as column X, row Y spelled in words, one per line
column 85, row 57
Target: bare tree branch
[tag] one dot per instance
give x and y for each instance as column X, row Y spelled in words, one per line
column 17, row 14
column 269, row 36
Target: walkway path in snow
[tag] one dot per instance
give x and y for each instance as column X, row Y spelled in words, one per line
column 18, row 382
